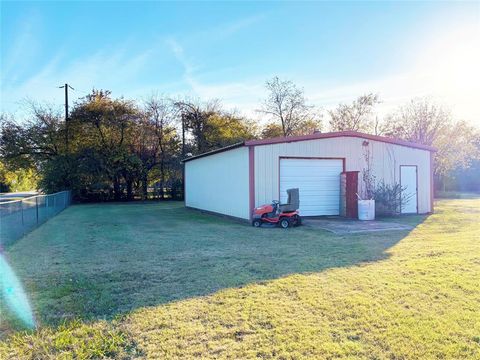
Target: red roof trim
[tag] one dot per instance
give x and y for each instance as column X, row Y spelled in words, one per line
column 279, row 140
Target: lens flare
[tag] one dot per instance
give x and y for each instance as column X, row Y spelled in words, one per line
column 13, row 294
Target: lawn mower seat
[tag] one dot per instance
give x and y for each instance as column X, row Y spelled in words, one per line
column 293, row 202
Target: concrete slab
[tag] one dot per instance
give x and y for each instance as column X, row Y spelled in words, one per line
column 342, row 226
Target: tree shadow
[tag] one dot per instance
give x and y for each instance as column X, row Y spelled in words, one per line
column 101, row 260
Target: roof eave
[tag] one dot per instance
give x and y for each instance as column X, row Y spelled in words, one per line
column 216, row 151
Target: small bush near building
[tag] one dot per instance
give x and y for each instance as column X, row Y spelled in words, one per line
column 389, row 198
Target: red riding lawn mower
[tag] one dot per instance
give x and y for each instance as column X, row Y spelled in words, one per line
column 285, row 215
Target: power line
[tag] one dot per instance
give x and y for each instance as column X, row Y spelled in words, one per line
column 82, row 92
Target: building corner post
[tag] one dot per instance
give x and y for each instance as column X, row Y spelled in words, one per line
column 251, row 181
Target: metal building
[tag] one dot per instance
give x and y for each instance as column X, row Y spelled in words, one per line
column 235, row 179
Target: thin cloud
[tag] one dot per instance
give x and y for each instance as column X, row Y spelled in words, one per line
column 22, row 53
column 223, row 31
column 243, row 96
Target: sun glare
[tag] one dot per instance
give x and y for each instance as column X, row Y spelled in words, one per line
column 449, row 68
column 13, row 295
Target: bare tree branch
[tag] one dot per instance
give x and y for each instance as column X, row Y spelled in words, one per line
column 287, row 105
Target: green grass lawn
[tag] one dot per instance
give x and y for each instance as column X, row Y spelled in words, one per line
column 160, row 281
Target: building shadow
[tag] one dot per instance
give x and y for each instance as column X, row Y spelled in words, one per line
column 101, row 260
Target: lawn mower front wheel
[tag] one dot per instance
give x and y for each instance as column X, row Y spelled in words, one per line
column 285, row 223
column 256, row 223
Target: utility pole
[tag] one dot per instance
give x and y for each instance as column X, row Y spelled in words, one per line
column 183, row 137
column 183, row 157
column 66, row 86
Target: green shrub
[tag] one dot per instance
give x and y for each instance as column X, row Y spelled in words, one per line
column 389, row 198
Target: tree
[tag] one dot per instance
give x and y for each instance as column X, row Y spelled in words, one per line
column 211, row 127
column 194, row 117
column 107, row 125
column 425, row 122
column 39, row 138
column 225, row 128
column 116, row 148
column 287, row 105
column 356, row 116
column 272, row 130
column 421, row 121
column 23, row 179
column 467, row 179
column 309, row 126
column 457, row 151
column 26, row 148
column 157, row 142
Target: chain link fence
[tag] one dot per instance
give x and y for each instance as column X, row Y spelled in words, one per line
column 19, row 217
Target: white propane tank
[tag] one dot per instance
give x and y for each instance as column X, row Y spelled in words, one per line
column 366, row 209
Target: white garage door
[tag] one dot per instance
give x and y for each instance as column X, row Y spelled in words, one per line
column 318, row 181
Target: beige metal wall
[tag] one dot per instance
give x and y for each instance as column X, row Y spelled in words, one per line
column 219, row 183
column 386, row 161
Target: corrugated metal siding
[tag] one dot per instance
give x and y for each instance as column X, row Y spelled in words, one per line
column 219, row 183
column 386, row 161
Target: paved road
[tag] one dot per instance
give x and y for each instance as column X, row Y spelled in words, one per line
column 17, row 195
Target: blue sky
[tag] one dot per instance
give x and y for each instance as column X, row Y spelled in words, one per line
column 335, row 51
